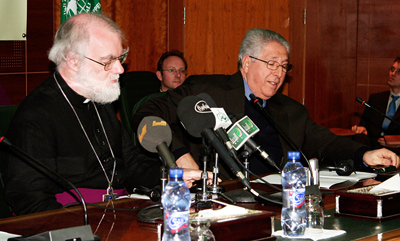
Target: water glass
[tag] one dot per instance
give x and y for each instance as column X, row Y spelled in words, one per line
column 199, row 229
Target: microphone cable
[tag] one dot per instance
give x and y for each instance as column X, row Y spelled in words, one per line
column 105, row 207
column 256, row 176
column 256, row 101
column 23, row 155
column 262, row 180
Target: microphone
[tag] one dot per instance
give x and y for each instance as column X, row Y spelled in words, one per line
column 193, row 108
column 342, row 167
column 232, row 141
column 155, row 136
column 363, row 102
column 210, row 136
column 241, row 132
column 223, row 121
column 195, row 115
column 70, row 233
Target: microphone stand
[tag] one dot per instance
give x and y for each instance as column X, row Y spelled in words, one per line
column 203, row 196
column 245, row 156
column 154, row 212
column 241, row 195
column 215, row 189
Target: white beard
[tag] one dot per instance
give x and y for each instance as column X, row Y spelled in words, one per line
column 99, row 92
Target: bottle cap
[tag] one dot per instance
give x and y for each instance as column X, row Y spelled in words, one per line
column 293, row 155
column 175, row 173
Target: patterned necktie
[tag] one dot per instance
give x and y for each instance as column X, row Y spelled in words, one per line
column 391, row 111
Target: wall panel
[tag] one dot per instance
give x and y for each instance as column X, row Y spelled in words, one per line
column 331, row 61
column 215, row 29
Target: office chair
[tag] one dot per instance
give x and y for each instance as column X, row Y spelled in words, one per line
column 6, row 114
column 134, row 86
column 138, row 105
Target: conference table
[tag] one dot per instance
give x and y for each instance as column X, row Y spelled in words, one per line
column 122, row 223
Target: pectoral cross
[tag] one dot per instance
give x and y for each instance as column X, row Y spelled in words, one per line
column 110, row 194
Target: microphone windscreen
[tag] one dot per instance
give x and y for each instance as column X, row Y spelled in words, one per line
column 153, row 131
column 207, row 98
column 195, row 115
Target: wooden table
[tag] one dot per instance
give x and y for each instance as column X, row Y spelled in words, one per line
column 126, row 227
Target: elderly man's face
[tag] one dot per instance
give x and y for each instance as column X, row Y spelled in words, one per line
column 101, row 85
column 264, row 82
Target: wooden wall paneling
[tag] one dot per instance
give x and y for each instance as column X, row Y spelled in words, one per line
column 35, row 79
column 295, row 79
column 310, row 68
column 144, row 23
column 331, row 62
column 214, row 30
column 39, row 34
column 12, row 57
column 21, row 57
column 175, row 29
column 14, row 85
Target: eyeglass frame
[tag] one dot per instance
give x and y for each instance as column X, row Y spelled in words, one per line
column 288, row 66
column 174, row 71
column 122, row 58
column 395, row 70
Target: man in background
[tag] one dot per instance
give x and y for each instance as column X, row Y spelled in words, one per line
column 171, row 70
column 374, row 126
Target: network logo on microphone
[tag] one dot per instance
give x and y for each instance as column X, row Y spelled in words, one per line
column 241, row 131
column 142, row 133
column 202, row 107
column 154, row 123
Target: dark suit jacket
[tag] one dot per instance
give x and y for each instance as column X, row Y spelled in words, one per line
column 228, row 92
column 372, row 120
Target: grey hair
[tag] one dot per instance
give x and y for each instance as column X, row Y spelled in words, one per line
column 255, row 40
column 73, row 35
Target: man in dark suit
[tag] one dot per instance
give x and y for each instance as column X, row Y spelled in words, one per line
column 263, row 64
column 374, row 125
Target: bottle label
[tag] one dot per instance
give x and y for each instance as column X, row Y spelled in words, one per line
column 177, row 221
column 297, row 197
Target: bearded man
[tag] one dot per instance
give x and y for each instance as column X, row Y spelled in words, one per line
column 69, row 124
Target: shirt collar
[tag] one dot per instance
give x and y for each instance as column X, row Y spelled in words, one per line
column 393, row 94
column 247, row 92
column 74, row 97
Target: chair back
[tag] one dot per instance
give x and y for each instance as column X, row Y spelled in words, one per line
column 138, row 105
column 6, row 114
column 134, row 86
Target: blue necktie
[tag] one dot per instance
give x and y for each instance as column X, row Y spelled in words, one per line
column 391, row 111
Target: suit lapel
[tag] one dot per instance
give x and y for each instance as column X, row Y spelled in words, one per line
column 235, row 95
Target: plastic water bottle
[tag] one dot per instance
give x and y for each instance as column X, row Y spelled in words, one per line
column 176, row 203
column 293, row 216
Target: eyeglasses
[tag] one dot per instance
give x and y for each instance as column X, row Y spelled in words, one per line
column 273, row 65
column 393, row 69
column 174, row 71
column 109, row 64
